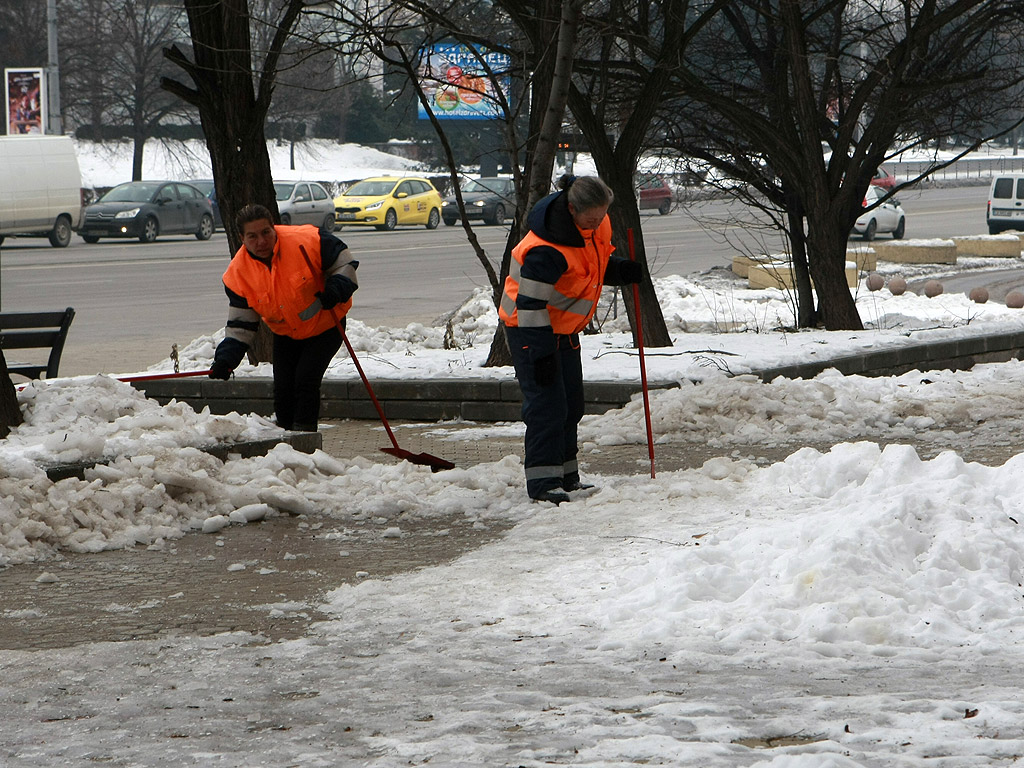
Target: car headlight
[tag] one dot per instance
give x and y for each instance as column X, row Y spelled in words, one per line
column 479, row 203
column 445, row 203
column 129, row 214
column 375, row 206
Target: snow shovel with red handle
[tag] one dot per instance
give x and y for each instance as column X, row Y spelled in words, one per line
column 435, row 463
column 640, row 347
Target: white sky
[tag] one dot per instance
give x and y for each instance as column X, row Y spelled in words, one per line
column 862, row 600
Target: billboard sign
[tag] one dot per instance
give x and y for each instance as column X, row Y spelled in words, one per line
column 455, row 82
column 25, row 93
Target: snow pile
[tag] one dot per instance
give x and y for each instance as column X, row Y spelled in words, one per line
column 857, row 546
column 935, row 406
column 106, row 164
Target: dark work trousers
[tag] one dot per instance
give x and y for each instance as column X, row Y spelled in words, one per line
column 551, row 414
column 299, row 367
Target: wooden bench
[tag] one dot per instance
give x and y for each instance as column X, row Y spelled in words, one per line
column 35, row 330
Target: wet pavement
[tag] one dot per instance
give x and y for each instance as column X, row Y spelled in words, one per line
column 267, row 578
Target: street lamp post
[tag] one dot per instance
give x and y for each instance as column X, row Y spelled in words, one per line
column 55, row 119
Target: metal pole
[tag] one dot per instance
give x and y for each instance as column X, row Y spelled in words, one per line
column 55, row 119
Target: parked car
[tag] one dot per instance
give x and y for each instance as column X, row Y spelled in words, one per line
column 304, row 202
column 883, row 179
column 207, row 188
column 489, row 198
column 654, row 192
column 147, row 209
column 385, row 202
column 1005, row 203
column 887, row 217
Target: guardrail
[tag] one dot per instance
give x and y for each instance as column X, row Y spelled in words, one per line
column 964, row 171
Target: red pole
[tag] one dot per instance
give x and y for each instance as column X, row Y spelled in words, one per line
column 157, row 376
column 640, row 346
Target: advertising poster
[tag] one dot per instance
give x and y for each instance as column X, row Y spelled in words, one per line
column 456, row 83
column 24, row 92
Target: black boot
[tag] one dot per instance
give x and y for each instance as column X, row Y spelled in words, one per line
column 554, row 495
column 576, row 485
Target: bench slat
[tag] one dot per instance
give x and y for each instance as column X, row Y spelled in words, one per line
column 35, row 330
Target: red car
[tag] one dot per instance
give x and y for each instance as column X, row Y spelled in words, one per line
column 884, row 179
column 654, row 192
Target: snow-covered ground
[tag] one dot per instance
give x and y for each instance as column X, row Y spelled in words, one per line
column 858, row 608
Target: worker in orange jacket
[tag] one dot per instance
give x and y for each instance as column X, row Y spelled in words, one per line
column 269, row 279
column 555, row 279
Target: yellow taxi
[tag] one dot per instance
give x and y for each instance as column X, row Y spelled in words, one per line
column 385, row 202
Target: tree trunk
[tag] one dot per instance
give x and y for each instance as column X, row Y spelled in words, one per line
column 10, row 413
column 806, row 313
column 233, row 102
column 625, row 216
column 826, row 247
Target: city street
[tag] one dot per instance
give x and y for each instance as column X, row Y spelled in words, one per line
column 133, row 301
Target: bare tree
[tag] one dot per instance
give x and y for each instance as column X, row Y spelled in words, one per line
column 232, row 86
column 764, row 86
column 112, row 65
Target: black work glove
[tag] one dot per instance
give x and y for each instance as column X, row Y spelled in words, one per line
column 337, row 290
column 544, row 370
column 227, row 357
column 631, row 272
column 220, row 370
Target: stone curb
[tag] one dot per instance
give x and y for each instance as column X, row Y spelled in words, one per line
column 499, row 399
column 307, row 442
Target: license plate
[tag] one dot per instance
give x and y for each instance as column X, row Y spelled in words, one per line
column 346, row 217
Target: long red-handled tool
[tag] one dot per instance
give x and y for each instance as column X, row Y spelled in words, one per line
column 146, row 377
column 640, row 347
column 158, row 376
column 435, row 463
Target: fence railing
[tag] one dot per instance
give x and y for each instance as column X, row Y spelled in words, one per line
column 967, row 170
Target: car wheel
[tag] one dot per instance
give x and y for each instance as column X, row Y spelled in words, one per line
column 871, row 230
column 150, row 229
column 286, row 219
column 665, row 207
column 499, row 215
column 205, row 231
column 328, row 223
column 433, row 219
column 390, row 221
column 901, row 229
column 60, row 235
column 450, row 222
column 90, row 239
column 994, row 229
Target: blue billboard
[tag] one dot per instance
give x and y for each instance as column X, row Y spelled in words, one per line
column 456, row 83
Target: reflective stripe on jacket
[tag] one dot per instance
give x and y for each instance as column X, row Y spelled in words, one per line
column 285, row 295
column 572, row 300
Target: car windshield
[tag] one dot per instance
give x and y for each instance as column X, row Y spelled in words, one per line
column 131, row 193
column 371, row 188
column 497, row 186
column 283, row 191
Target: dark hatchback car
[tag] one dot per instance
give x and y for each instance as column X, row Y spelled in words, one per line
column 490, row 198
column 147, row 209
column 207, row 188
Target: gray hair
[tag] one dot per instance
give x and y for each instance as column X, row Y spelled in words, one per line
column 586, row 192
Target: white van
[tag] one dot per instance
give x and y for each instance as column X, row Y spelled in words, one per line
column 40, row 188
column 1006, row 203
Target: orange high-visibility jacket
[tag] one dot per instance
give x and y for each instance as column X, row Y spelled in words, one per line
column 573, row 299
column 285, row 295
